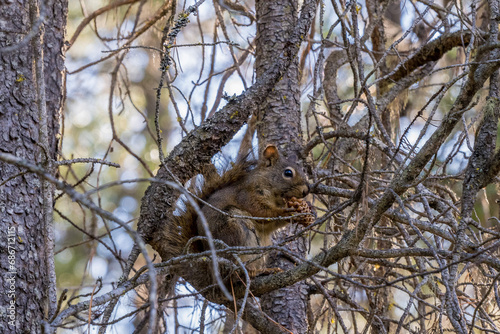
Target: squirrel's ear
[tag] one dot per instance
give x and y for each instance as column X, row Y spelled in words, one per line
column 270, row 155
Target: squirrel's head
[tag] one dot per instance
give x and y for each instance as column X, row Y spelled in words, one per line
column 285, row 177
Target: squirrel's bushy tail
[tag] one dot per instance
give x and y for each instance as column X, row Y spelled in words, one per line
column 172, row 239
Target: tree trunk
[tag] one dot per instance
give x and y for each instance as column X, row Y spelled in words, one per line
column 279, row 123
column 26, row 243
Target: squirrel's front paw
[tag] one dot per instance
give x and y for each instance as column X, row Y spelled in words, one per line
column 299, row 205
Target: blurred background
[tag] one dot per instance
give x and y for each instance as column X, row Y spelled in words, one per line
column 113, row 72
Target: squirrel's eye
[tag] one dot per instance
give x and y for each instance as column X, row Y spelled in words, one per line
column 288, row 172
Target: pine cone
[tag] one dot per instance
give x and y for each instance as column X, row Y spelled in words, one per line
column 300, row 205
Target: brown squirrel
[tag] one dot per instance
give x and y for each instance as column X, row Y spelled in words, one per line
column 269, row 187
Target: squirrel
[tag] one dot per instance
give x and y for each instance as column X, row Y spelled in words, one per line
column 269, row 187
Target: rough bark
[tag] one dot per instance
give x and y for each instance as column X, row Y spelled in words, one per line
column 379, row 303
column 23, row 240
column 279, row 115
column 279, row 123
